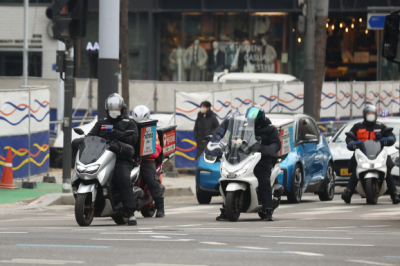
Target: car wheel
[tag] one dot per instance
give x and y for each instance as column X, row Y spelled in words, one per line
column 329, row 190
column 296, row 190
column 203, row 199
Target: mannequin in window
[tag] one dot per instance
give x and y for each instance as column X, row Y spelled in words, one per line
column 246, row 58
column 195, row 59
column 268, row 56
column 261, row 25
column 176, row 62
column 216, row 60
column 230, row 51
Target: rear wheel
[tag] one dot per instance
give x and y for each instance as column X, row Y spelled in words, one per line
column 329, row 190
column 120, row 219
column 148, row 212
column 372, row 190
column 232, row 205
column 83, row 209
column 296, row 190
column 203, row 199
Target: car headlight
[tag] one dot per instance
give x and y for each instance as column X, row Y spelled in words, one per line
column 88, row 170
column 209, row 158
column 395, row 159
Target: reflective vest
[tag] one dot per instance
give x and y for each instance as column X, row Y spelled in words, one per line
column 364, row 135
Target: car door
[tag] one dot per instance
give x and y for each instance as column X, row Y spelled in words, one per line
column 309, row 149
column 319, row 155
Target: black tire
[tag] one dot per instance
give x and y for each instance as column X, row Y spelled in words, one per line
column 372, row 190
column 203, row 199
column 329, row 189
column 231, row 205
column 148, row 213
column 296, row 190
column 83, row 210
column 120, row 219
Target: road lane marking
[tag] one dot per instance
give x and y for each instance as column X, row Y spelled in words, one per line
column 336, row 208
column 325, row 244
column 369, row 262
column 392, row 257
column 157, row 264
column 213, row 243
column 310, row 237
column 151, row 240
column 372, row 226
column 60, row 246
column 342, row 227
column 256, row 248
column 205, row 228
column 38, row 261
column 184, row 225
column 13, row 232
column 145, row 231
column 264, row 251
column 316, row 212
column 161, row 237
column 156, row 233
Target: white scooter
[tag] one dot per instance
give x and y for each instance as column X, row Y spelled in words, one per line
column 238, row 184
column 371, row 170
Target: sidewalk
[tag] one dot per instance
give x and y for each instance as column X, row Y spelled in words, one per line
column 15, row 195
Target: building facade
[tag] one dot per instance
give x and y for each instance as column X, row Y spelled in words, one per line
column 190, row 40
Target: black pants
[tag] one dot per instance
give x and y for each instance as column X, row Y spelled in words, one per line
column 389, row 181
column 263, row 174
column 124, row 186
column 149, row 175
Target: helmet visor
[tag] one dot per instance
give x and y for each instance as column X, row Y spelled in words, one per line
column 253, row 113
column 114, row 102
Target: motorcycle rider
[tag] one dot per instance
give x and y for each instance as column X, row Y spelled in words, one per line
column 117, row 116
column 270, row 145
column 148, row 172
column 369, row 129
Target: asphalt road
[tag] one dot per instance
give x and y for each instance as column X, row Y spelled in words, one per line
column 310, row 233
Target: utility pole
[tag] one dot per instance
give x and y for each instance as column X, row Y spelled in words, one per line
column 25, row 50
column 309, row 54
column 108, row 67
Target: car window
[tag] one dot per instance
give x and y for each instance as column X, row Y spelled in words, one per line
column 306, row 126
column 341, row 137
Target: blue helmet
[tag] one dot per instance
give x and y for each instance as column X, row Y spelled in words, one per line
column 256, row 112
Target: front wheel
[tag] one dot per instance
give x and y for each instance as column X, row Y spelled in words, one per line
column 329, row 189
column 203, row 199
column 147, row 212
column 372, row 190
column 232, row 205
column 83, row 209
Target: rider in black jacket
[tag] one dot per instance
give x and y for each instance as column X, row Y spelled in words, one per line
column 270, row 145
column 119, row 119
column 369, row 129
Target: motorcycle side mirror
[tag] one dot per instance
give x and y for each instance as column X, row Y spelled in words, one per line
column 79, row 131
column 207, row 139
column 387, row 130
column 129, row 133
column 351, row 135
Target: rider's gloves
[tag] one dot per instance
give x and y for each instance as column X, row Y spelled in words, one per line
column 378, row 136
column 116, row 134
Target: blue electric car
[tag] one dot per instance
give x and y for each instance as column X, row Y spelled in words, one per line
column 306, row 166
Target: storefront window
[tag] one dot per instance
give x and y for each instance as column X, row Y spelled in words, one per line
column 194, row 46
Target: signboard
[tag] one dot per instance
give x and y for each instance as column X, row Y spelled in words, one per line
column 148, row 140
column 169, row 142
column 376, row 21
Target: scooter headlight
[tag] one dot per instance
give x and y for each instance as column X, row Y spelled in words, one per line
column 88, row 170
column 224, row 172
column 382, row 157
column 244, row 169
column 361, row 159
column 80, row 168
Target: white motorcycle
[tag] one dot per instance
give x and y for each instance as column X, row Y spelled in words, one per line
column 238, row 184
column 371, row 170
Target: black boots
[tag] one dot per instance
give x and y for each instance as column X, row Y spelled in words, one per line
column 268, row 215
column 346, row 196
column 160, row 208
column 132, row 219
column 395, row 198
column 222, row 216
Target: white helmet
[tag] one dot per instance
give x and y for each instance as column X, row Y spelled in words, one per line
column 141, row 112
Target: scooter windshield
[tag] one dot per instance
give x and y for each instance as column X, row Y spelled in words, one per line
column 92, row 148
column 371, row 149
column 239, row 139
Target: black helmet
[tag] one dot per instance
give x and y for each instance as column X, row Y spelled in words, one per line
column 256, row 112
column 115, row 101
column 370, row 109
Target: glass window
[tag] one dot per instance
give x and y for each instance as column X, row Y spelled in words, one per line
column 11, row 64
column 30, row 1
column 306, row 126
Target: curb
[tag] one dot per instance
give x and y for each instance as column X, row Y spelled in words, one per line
column 68, row 198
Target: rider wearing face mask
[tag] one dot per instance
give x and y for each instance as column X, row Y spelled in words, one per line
column 206, row 124
column 369, row 129
column 119, row 119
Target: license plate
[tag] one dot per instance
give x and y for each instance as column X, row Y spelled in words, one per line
column 344, row 171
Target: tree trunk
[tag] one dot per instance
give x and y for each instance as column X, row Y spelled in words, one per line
column 125, row 52
column 319, row 62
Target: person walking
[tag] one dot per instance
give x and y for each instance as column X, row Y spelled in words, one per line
column 206, row 124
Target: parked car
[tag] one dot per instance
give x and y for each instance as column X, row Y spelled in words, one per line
column 341, row 155
column 306, row 161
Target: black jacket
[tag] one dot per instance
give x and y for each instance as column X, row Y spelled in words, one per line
column 366, row 131
column 205, row 125
column 270, row 142
column 122, row 124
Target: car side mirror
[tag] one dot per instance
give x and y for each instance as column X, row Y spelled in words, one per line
column 129, row 133
column 391, row 38
column 207, row 139
column 79, row 131
column 310, row 138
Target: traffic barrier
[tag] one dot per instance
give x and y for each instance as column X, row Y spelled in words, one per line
column 7, row 177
